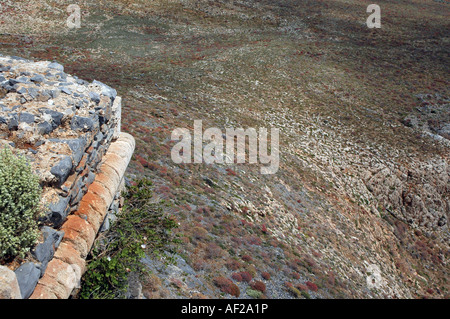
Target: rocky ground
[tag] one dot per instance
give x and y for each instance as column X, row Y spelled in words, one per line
column 364, row 126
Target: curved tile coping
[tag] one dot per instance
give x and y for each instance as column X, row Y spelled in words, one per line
column 64, row 271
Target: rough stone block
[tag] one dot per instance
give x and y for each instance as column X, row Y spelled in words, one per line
column 44, row 251
column 27, row 275
column 9, row 286
column 62, row 170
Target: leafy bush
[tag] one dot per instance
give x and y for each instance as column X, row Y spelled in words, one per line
column 141, row 229
column 254, row 293
column 19, row 205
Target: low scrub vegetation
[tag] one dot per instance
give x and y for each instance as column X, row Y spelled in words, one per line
column 19, row 206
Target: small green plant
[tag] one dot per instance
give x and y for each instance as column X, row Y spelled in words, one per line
column 19, row 205
column 141, row 229
column 254, row 293
column 294, row 291
column 305, row 294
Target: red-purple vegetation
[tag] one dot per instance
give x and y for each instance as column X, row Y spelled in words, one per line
column 258, row 285
column 227, row 286
column 265, row 275
column 311, row 286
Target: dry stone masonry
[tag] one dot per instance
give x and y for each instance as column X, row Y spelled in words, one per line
column 69, row 130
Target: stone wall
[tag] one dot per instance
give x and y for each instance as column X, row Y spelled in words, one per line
column 69, row 130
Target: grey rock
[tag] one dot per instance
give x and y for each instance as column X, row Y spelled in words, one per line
column 90, row 178
column 93, row 156
column 78, row 147
column 106, row 90
column 62, row 76
column 26, row 117
column 79, row 104
column 56, row 66
column 134, row 290
column 23, row 79
column 104, row 119
column 110, row 218
column 14, row 57
column 66, row 90
column 70, row 102
column 80, row 123
column 44, row 96
column 37, row 78
column 22, row 90
column 32, row 92
column 98, row 137
column 27, row 275
column 13, row 124
column 78, row 192
column 54, row 93
column 44, row 251
column 62, row 170
column 94, row 97
column 56, row 116
column 9, row 88
column 9, row 287
column 44, row 128
column 13, row 82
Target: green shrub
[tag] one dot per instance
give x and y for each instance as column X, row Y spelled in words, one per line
column 142, row 229
column 254, row 293
column 306, row 295
column 19, row 205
